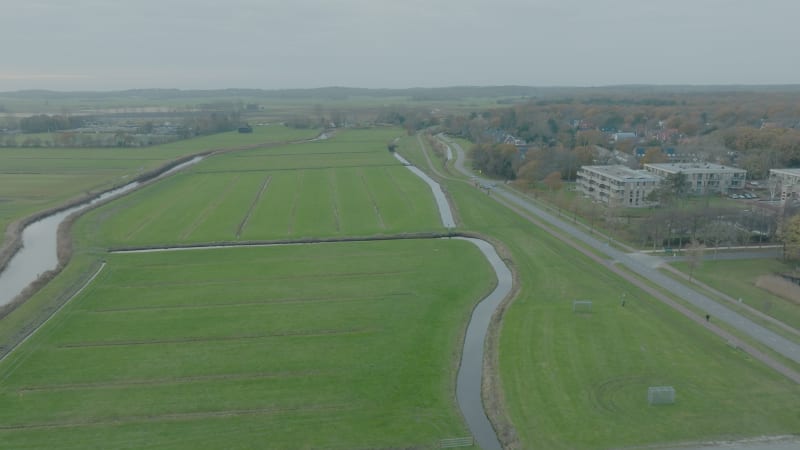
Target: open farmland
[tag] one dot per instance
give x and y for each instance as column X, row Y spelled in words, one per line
column 35, row 179
column 349, row 185
column 346, row 345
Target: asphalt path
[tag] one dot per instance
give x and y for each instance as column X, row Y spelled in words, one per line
column 639, row 264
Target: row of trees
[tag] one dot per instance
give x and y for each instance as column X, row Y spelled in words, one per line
column 498, row 160
column 211, row 123
column 44, row 123
column 713, row 227
column 61, row 136
column 535, row 165
column 99, row 140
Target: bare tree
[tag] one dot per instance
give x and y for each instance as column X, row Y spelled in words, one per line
column 694, row 256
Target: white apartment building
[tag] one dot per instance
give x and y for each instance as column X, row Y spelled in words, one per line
column 786, row 182
column 617, row 186
column 703, row 178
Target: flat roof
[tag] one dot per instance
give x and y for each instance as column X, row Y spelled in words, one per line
column 623, row 173
column 693, row 167
column 795, row 171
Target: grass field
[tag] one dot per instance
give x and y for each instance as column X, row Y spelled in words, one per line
column 738, row 279
column 33, row 179
column 346, row 186
column 324, row 346
column 355, row 345
column 579, row 381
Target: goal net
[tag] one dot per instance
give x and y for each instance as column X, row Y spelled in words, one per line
column 660, row 395
column 582, row 306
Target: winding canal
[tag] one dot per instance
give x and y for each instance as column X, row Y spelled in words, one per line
column 40, row 241
column 470, row 372
column 39, row 255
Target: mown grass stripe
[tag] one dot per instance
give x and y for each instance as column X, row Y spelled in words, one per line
column 200, row 340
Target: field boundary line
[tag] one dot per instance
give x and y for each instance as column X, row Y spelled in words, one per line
column 253, row 206
column 372, row 200
column 150, row 218
column 52, row 314
column 295, row 169
column 281, row 242
column 334, row 200
column 255, row 302
column 209, row 209
column 174, row 417
column 170, row 381
column 293, row 212
column 195, row 340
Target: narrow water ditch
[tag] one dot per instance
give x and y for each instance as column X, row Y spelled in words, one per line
column 470, row 372
column 39, row 255
column 39, row 252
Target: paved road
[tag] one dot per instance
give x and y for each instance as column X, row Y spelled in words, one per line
column 718, row 312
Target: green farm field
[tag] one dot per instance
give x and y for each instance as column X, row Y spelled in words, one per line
column 579, row 381
column 349, row 185
column 34, row 179
column 345, row 345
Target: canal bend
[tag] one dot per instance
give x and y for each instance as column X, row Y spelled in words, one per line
column 38, row 255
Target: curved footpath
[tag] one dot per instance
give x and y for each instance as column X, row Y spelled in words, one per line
column 717, row 311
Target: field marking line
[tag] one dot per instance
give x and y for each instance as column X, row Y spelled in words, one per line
column 250, row 303
column 334, row 199
column 295, row 200
column 125, row 383
column 372, row 200
column 150, row 218
column 202, row 340
column 253, row 206
column 184, row 416
column 209, row 209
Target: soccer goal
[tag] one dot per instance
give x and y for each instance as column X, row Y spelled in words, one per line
column 581, row 306
column 660, row 395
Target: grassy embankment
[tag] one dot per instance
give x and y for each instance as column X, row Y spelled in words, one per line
column 580, row 380
column 330, row 345
column 738, row 279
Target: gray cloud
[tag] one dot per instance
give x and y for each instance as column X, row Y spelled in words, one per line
column 116, row 44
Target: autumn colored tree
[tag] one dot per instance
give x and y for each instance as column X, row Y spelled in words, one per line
column 653, row 155
column 553, row 181
column 790, row 237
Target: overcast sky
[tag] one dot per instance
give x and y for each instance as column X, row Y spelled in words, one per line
column 273, row 44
